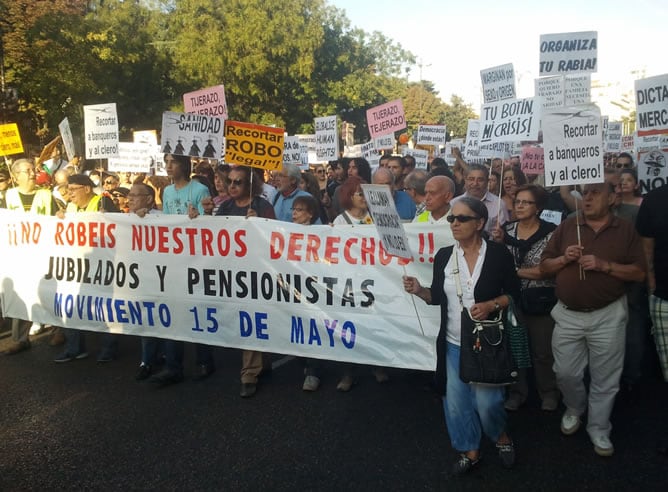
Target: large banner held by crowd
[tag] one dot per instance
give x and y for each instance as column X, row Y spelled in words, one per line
column 312, row 291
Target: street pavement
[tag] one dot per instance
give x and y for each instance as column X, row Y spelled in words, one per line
column 89, row 426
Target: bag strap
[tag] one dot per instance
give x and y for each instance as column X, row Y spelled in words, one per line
column 456, row 273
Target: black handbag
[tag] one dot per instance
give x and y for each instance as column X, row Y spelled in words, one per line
column 485, row 353
column 537, row 300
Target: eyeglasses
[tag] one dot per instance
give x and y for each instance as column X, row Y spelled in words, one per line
column 235, row 182
column 110, row 182
column 523, row 203
column 320, row 171
column 358, row 193
column 461, row 218
column 623, row 165
column 298, row 209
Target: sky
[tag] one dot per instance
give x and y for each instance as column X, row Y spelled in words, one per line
column 453, row 41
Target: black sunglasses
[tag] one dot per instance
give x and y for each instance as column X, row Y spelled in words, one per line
column 461, row 218
column 235, row 182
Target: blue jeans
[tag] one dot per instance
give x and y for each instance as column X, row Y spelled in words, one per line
column 75, row 342
column 471, row 409
column 174, row 350
column 149, row 350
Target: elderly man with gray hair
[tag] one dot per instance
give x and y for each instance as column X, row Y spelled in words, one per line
column 288, row 190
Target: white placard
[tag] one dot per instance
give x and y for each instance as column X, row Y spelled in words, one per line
column 192, row 134
column 68, row 141
column 570, row 52
column 326, row 139
column 292, row 153
column 549, row 92
column 652, row 169
column 498, row 83
column 132, row 158
column 431, row 135
column 369, row 150
column 421, row 157
column 573, row 140
column 101, row 129
column 384, row 142
column 613, row 137
column 471, row 146
column 652, row 105
column 386, row 220
column 508, row 121
column 577, row 89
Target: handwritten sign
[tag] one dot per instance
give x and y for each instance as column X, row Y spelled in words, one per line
column 532, row 160
column 101, row 131
column 253, row 145
column 10, row 140
column 386, row 118
column 508, row 121
column 498, row 83
column 326, row 139
column 209, row 102
column 431, row 134
column 652, row 105
column 570, row 52
column 386, row 220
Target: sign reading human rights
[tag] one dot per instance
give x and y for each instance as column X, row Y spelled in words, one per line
column 192, row 134
column 101, row 131
column 10, row 140
column 652, row 105
column 570, row 52
column 386, row 118
column 66, row 135
column 573, row 140
column 253, row 145
column 132, row 158
column 326, row 138
column 319, row 291
column 508, row 121
column 498, row 83
column 431, row 135
column 209, row 102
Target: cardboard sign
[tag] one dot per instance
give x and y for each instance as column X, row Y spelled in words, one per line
column 101, row 131
column 508, row 121
column 613, row 137
column 10, row 140
column 326, row 139
column 431, row 134
column 209, row 102
column 570, row 52
column 386, row 118
column 498, row 83
column 68, row 140
column 247, row 144
column 132, row 158
column 652, row 169
column 386, row 220
column 652, row 105
column 573, row 139
column 532, row 160
column 192, row 134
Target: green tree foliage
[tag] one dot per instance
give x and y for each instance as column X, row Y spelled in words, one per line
column 457, row 116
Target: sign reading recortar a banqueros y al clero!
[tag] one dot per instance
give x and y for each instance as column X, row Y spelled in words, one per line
column 209, row 102
column 569, row 52
column 572, row 142
column 101, row 130
column 652, row 105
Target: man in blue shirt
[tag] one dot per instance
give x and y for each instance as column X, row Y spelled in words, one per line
column 288, row 190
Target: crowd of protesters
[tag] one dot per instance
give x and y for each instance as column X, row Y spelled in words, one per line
column 591, row 263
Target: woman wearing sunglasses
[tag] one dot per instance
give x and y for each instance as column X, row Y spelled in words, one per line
column 487, row 277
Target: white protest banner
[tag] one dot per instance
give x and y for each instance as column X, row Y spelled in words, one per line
column 508, row 121
column 248, row 144
column 101, row 131
column 569, row 52
column 612, row 141
column 132, row 158
column 652, row 169
column 549, row 92
column 209, row 102
column 431, row 135
column 386, row 118
column 573, row 140
column 187, row 133
column 311, row 291
column 421, row 157
column 68, row 140
column 577, row 89
column 326, row 139
column 384, row 142
column 532, row 160
column 386, row 220
column 292, row 153
column 498, row 83
column 652, row 105
column 650, row 142
column 369, row 150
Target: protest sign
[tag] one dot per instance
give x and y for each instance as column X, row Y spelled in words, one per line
column 326, row 139
column 292, row 153
column 384, row 142
column 68, row 140
column 386, row 220
column 421, row 157
column 498, row 83
column 502, row 150
column 472, row 139
column 577, row 89
column 612, row 141
column 185, row 133
column 652, row 105
column 145, row 136
column 573, row 140
column 101, row 131
column 652, row 170
column 532, row 160
column 569, row 52
column 132, row 158
column 386, row 118
column 352, row 150
column 247, row 144
column 318, row 291
column 369, row 150
column 549, row 92
column 431, row 135
column 209, row 102
column 10, row 140
column 508, row 121
column 628, row 143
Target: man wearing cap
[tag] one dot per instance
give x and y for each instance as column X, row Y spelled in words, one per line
column 83, row 199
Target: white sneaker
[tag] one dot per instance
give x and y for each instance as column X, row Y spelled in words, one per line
column 570, row 424
column 603, row 446
column 311, row 383
column 35, row 329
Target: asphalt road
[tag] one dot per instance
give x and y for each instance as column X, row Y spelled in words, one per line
column 89, row 426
